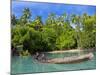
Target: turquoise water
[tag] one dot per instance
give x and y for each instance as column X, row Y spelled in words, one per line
column 28, row 65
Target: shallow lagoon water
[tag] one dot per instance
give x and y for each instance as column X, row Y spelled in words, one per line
column 29, row 65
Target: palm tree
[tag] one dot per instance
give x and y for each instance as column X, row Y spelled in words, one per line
column 26, row 16
column 13, row 20
column 51, row 19
column 38, row 22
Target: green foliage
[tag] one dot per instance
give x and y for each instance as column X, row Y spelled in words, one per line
column 66, row 40
column 89, row 31
column 56, row 33
column 49, row 35
column 88, row 40
column 13, row 20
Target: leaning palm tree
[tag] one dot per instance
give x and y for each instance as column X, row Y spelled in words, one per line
column 77, row 21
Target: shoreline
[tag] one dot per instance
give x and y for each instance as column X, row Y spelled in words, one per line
column 70, row 50
column 63, row 51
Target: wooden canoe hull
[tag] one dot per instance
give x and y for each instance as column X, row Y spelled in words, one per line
column 73, row 59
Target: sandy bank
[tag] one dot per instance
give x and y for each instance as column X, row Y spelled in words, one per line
column 63, row 51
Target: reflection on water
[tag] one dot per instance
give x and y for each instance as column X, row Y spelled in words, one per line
column 28, row 65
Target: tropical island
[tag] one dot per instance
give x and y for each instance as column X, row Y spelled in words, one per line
column 56, row 34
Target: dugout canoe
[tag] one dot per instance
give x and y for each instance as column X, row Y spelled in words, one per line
column 72, row 59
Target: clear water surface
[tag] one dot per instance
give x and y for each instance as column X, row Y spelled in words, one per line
column 29, row 65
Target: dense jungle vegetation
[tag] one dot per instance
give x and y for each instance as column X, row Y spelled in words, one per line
column 62, row 32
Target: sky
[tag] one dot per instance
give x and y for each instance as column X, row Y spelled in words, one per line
column 44, row 9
